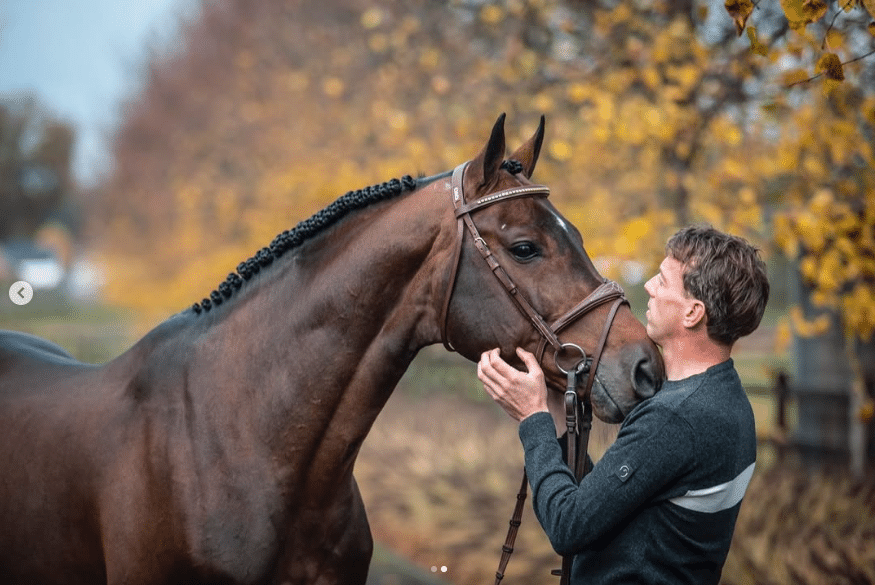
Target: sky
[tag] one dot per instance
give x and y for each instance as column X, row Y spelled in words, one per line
column 81, row 58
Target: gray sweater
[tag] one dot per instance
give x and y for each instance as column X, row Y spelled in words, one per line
column 661, row 505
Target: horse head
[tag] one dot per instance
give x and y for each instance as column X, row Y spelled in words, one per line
column 539, row 257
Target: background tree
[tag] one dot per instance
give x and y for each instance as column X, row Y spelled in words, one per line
column 35, row 172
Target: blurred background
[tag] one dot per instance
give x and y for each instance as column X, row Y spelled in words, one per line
column 147, row 148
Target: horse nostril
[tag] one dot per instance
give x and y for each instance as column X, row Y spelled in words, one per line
column 645, row 379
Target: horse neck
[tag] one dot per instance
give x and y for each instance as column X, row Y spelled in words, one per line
column 310, row 352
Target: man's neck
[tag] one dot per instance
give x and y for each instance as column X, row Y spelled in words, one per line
column 693, row 355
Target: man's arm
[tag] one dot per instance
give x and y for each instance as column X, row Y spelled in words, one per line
column 652, row 449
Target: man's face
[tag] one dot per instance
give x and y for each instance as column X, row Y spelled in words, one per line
column 668, row 302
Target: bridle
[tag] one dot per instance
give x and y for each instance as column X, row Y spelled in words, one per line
column 606, row 292
column 578, row 407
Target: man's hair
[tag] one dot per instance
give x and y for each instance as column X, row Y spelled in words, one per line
column 727, row 274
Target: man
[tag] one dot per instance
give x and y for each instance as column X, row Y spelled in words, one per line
column 661, row 505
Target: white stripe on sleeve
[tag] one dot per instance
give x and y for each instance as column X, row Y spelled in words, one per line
column 718, row 498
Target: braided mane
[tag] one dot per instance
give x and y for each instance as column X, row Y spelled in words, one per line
column 306, row 229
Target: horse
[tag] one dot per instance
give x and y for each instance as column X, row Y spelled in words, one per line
column 220, row 447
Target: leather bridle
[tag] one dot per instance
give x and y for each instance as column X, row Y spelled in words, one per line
column 578, row 407
column 606, row 292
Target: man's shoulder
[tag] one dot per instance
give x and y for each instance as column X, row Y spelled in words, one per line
column 713, row 389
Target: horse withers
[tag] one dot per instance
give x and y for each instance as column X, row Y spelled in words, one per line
column 220, row 447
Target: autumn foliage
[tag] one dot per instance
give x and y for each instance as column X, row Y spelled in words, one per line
column 659, row 114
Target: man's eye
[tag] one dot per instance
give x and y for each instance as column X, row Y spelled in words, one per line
column 524, row 251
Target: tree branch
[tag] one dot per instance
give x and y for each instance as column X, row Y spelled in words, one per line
column 860, row 58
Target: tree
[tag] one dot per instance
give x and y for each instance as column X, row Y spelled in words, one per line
column 35, row 172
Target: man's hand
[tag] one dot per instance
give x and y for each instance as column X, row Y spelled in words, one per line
column 519, row 393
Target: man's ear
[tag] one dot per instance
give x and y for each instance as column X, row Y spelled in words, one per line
column 695, row 314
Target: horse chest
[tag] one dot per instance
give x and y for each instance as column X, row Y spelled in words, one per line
column 290, row 540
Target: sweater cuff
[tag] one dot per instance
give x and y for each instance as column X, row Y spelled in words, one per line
column 536, row 429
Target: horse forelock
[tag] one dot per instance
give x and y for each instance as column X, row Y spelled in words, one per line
column 303, row 231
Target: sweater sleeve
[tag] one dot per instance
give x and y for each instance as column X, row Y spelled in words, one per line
column 654, row 447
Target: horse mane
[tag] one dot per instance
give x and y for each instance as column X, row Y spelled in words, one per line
column 288, row 239
column 305, row 229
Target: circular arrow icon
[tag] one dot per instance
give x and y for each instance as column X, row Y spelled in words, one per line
column 21, row 292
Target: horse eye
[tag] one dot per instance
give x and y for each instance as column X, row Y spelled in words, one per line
column 524, row 251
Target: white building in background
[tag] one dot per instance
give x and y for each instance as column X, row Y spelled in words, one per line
column 25, row 260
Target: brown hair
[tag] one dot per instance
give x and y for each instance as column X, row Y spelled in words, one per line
column 727, row 274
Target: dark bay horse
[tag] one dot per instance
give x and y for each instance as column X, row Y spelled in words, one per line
column 220, row 447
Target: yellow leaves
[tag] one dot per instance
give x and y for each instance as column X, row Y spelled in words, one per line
column 794, row 76
column 755, row 45
column 686, row 76
column 829, row 275
column 560, row 150
column 739, row 10
column 333, row 87
column 440, row 84
column 544, row 103
column 429, row 59
column 801, row 13
column 378, row 42
column 372, row 18
column 635, row 237
column 629, row 127
column 811, row 231
column 673, row 42
column 783, row 335
column 618, row 82
column 808, row 327
column 836, row 242
column 835, row 39
column 578, row 92
column 821, row 203
column 634, row 231
column 605, row 109
column 651, row 77
column 398, row 120
column 622, row 13
column 492, row 14
column 395, row 98
column 784, row 236
column 727, row 132
column 858, row 309
column 831, row 66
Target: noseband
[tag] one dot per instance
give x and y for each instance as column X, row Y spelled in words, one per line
column 606, row 292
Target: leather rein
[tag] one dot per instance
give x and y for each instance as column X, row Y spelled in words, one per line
column 577, row 405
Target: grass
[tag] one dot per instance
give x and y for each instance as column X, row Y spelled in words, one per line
column 90, row 332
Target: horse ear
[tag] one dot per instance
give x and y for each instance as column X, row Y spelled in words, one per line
column 488, row 162
column 528, row 153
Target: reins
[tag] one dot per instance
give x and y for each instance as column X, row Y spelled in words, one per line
column 578, row 422
column 578, row 409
